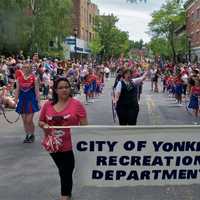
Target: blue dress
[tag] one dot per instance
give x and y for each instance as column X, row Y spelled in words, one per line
column 178, row 89
column 172, row 89
column 87, row 88
column 194, row 102
column 27, row 101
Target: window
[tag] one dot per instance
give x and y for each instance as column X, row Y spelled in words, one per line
column 198, row 14
column 90, row 36
column 85, row 16
column 82, row 33
column 193, row 16
column 87, row 36
column 93, row 19
column 198, row 37
column 90, row 19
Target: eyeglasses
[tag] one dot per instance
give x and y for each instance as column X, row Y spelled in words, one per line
column 64, row 87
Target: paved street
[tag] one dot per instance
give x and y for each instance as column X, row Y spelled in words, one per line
column 28, row 173
column 155, row 109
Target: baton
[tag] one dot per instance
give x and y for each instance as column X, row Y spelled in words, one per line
column 114, row 114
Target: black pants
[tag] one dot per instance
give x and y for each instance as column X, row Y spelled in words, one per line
column 184, row 89
column 45, row 90
column 65, row 163
column 127, row 116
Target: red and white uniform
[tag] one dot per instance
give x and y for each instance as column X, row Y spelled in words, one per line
column 69, row 116
column 26, row 84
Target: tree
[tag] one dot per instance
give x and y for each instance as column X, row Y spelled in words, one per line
column 120, row 43
column 165, row 21
column 55, row 17
column 136, row 44
column 33, row 24
column 160, row 47
column 182, row 47
column 95, row 45
column 113, row 41
column 12, row 27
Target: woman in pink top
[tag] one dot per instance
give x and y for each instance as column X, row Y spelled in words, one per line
column 63, row 110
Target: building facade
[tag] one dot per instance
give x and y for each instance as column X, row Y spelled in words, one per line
column 193, row 28
column 85, row 12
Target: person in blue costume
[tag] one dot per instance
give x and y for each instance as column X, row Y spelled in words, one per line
column 194, row 99
column 27, row 98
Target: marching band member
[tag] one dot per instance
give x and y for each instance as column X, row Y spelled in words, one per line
column 27, row 98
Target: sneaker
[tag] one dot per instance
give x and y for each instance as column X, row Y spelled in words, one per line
column 29, row 138
column 91, row 101
column 26, row 140
column 195, row 123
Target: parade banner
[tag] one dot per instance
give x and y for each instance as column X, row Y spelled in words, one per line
column 131, row 156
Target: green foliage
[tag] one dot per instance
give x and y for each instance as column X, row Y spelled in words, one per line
column 160, row 46
column 120, row 43
column 95, row 45
column 165, row 22
column 113, row 41
column 55, row 54
column 30, row 24
column 136, row 44
column 135, row 47
column 181, row 44
column 11, row 24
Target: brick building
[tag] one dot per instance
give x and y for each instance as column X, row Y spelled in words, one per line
column 84, row 15
column 193, row 28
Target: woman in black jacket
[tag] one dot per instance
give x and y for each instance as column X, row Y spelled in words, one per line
column 126, row 100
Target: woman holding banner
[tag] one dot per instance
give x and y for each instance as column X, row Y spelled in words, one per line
column 63, row 110
column 126, row 98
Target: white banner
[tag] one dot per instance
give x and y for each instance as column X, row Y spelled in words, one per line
column 130, row 156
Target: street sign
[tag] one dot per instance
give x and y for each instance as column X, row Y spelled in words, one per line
column 70, row 41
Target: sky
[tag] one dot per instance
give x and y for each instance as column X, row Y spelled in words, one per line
column 133, row 18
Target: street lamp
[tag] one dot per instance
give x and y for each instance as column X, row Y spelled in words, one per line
column 75, row 36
